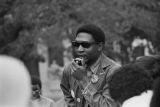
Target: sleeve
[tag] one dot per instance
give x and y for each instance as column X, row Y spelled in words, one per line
column 65, row 87
column 99, row 98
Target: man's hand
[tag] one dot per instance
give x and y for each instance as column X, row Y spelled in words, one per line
column 78, row 72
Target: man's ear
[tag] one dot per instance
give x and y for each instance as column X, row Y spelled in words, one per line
column 100, row 46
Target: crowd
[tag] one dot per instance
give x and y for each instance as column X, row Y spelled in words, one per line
column 91, row 79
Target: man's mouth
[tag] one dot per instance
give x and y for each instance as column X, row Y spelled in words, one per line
column 84, row 58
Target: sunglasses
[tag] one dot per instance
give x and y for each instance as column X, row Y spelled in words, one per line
column 83, row 44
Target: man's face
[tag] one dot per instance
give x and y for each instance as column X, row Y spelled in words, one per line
column 86, row 47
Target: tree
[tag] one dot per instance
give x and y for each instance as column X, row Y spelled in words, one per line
column 54, row 20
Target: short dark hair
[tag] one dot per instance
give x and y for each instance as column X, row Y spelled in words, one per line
column 36, row 81
column 128, row 81
column 95, row 31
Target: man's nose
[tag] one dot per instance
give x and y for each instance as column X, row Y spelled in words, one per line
column 80, row 48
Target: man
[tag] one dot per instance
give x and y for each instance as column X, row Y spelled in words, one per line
column 85, row 80
column 37, row 99
column 15, row 86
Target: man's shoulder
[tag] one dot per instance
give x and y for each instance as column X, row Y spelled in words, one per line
column 67, row 67
column 110, row 65
column 67, row 71
column 108, row 61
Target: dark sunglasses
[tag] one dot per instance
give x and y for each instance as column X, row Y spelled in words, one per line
column 83, row 44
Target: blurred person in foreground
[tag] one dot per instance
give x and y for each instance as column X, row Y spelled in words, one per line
column 38, row 100
column 85, row 80
column 151, row 64
column 15, row 87
column 131, row 86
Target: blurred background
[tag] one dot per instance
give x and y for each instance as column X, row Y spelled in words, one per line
column 39, row 32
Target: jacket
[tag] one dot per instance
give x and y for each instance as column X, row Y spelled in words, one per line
column 97, row 93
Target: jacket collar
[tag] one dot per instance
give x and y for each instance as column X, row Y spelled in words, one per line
column 105, row 61
column 102, row 63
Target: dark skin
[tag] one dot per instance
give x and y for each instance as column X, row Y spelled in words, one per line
column 90, row 55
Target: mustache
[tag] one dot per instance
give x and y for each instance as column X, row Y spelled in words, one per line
column 80, row 56
column 75, row 54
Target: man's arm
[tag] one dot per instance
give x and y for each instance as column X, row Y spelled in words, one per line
column 65, row 86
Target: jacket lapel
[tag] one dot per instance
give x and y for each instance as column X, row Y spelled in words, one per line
column 101, row 72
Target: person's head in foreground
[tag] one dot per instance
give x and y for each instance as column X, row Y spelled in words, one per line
column 15, row 87
column 89, row 42
column 129, row 81
column 151, row 64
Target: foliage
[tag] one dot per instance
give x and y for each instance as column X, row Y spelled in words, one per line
column 25, row 21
